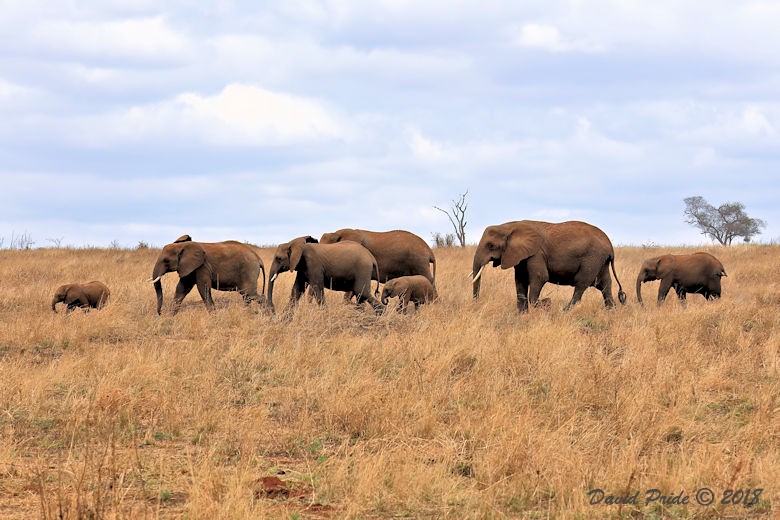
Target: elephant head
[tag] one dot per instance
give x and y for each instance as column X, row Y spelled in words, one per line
column 286, row 258
column 330, row 238
column 505, row 246
column 653, row 269
column 183, row 256
column 387, row 291
column 60, row 296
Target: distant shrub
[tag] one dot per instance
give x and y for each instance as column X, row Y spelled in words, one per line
column 141, row 245
column 443, row 240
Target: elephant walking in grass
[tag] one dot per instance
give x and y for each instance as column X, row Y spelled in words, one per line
column 224, row 266
column 398, row 253
column 344, row 266
column 699, row 273
column 416, row 289
column 87, row 295
column 569, row 253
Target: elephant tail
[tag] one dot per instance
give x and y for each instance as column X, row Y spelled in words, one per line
column 433, row 261
column 376, row 270
column 621, row 294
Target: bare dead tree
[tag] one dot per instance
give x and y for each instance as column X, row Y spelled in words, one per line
column 457, row 216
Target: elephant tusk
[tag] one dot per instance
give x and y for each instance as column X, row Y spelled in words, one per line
column 470, row 274
column 479, row 273
column 273, row 278
column 155, row 280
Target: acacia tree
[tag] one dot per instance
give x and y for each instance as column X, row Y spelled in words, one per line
column 723, row 223
column 457, row 216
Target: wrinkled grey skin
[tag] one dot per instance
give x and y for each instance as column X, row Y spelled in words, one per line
column 223, row 266
column 88, row 295
column 416, row 289
column 569, row 253
column 398, row 253
column 345, row 266
column 698, row 273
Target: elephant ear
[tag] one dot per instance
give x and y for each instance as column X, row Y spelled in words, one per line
column 183, row 238
column 191, row 257
column 294, row 253
column 520, row 244
column 665, row 264
column 308, row 239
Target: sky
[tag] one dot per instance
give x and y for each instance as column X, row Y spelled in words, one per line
column 128, row 121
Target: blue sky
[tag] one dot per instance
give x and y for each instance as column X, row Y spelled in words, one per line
column 135, row 120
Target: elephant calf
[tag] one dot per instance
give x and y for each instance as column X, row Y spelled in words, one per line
column 92, row 294
column 417, row 289
column 695, row 273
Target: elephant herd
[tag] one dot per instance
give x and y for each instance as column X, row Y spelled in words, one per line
column 569, row 253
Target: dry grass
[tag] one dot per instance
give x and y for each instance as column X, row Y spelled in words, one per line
column 460, row 410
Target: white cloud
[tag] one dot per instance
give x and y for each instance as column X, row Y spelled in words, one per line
column 254, row 115
column 239, row 115
column 424, row 148
column 755, row 122
column 548, row 37
column 132, row 38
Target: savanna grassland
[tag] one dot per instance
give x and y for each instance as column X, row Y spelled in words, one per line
column 459, row 410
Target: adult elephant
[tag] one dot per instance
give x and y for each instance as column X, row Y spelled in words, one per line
column 224, row 266
column 345, row 266
column 398, row 253
column 695, row 273
column 85, row 295
column 567, row 253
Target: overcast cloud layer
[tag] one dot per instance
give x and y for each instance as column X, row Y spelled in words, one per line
column 135, row 121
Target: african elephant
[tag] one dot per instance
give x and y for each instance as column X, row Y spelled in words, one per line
column 84, row 295
column 397, row 253
column 567, row 253
column 694, row 273
column 224, row 266
column 417, row 289
column 346, row 266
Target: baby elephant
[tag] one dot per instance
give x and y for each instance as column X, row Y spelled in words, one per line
column 417, row 289
column 695, row 273
column 84, row 295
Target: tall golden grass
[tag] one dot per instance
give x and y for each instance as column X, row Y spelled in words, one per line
column 459, row 410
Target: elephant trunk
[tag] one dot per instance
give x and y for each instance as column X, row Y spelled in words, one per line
column 639, row 280
column 54, row 303
column 159, row 292
column 476, row 273
column 157, row 274
column 385, row 293
column 272, row 274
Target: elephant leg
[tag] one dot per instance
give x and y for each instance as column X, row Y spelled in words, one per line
column 521, row 286
column 318, row 292
column 376, row 304
column 298, row 288
column 579, row 290
column 604, row 284
column 663, row 289
column 247, row 297
column 404, row 301
column 183, row 288
column 363, row 296
column 203, row 281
